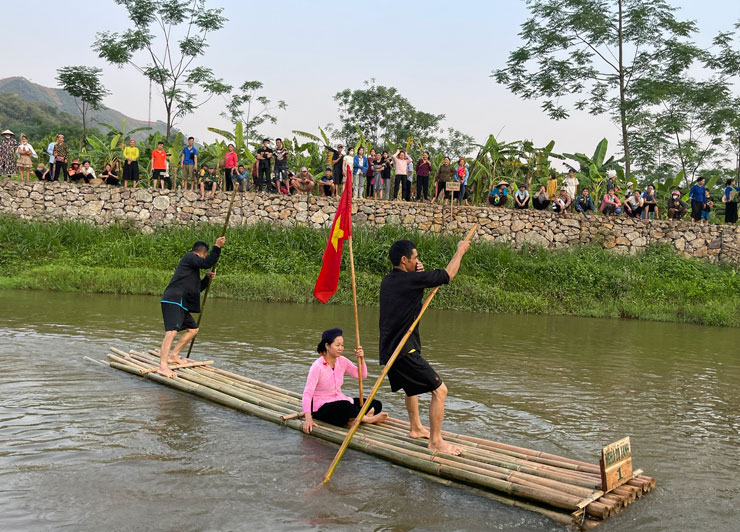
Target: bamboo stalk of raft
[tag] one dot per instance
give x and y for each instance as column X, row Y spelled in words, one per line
column 561, row 488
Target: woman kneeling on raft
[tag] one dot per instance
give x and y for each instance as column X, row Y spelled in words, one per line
column 323, row 398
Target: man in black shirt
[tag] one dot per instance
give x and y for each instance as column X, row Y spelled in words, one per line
column 264, row 158
column 281, row 156
column 401, row 293
column 337, row 170
column 181, row 297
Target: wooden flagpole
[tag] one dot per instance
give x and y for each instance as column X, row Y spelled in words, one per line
column 386, row 369
column 208, row 286
column 357, row 322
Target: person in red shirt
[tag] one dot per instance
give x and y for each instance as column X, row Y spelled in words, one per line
column 231, row 160
column 159, row 167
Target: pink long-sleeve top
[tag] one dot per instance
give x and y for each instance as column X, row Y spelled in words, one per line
column 324, row 384
column 231, row 159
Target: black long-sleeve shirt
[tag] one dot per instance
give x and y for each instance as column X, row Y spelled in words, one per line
column 401, row 296
column 186, row 285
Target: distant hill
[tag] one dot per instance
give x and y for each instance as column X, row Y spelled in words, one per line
column 64, row 104
column 35, row 119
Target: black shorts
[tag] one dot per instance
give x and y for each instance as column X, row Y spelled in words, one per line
column 413, row 374
column 338, row 180
column 177, row 318
column 340, row 412
column 157, row 173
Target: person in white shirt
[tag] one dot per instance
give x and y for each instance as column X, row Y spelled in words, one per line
column 25, row 151
column 571, row 185
column 87, row 172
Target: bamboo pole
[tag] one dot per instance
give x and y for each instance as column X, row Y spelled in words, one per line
column 208, row 286
column 357, row 322
column 382, row 376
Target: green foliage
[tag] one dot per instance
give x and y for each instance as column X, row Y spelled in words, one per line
column 83, row 84
column 265, row 263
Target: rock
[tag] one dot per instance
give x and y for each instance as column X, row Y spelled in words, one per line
column 533, row 239
column 161, row 203
column 517, row 226
column 142, row 195
column 92, row 208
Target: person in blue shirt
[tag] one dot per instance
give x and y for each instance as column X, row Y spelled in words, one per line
column 359, row 171
column 242, row 177
column 729, row 198
column 499, row 195
column 188, row 163
column 697, row 195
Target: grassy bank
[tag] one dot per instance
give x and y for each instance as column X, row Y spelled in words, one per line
column 264, row 263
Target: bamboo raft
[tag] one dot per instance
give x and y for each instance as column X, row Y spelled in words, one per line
column 565, row 490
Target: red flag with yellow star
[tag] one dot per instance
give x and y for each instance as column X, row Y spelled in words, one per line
column 341, row 230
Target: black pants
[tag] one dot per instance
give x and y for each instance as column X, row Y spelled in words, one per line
column 340, row 412
column 263, row 178
column 696, row 208
column 60, row 167
column 369, row 186
column 422, row 186
column 401, row 179
column 229, row 182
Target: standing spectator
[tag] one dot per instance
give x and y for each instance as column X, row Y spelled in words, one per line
column 541, row 200
column 462, row 176
column 231, row 161
column 8, row 147
column 423, row 169
column 359, row 170
column 131, row 165
column 708, row 204
column 610, row 204
column 552, row 187
column 61, row 152
column 677, row 209
column 281, row 156
column 585, row 203
column 159, row 166
column 109, row 176
column 445, row 174
column 634, row 204
column 326, row 183
column 499, row 195
column 242, row 178
column 409, row 178
column 628, row 193
column 189, row 163
column 25, row 151
column 370, row 175
column 42, row 172
column 50, row 151
column 304, row 181
column 400, row 166
column 562, row 202
column 697, row 195
column 387, row 165
column 264, row 165
column 650, row 203
column 521, row 197
column 571, row 184
column 337, row 160
column 729, row 198
column 611, row 182
column 347, row 163
column 378, row 169
column 87, row 173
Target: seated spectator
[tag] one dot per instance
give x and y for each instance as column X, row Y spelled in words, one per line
column 109, row 177
column 286, row 186
column 650, row 204
column 242, row 178
column 499, row 195
column 73, row 173
column 521, row 197
column 552, row 187
column 629, row 192
column 87, row 173
column 708, row 204
column 326, row 183
column 585, row 203
column 209, row 180
column 633, row 204
column 42, row 172
column 677, row 209
column 304, row 181
column 541, row 200
column 562, row 202
column 610, row 204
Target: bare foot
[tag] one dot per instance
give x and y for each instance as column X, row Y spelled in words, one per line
column 445, row 447
column 167, row 372
column 423, row 432
column 202, row 198
column 175, row 360
column 378, row 418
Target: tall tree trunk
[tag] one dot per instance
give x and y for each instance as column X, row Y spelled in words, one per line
column 84, row 125
column 622, row 110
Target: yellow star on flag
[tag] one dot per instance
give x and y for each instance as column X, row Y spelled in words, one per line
column 337, row 233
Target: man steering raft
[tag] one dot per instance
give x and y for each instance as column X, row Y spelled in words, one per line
column 401, row 293
column 181, row 297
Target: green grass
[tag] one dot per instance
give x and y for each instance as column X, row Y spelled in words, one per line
column 264, row 263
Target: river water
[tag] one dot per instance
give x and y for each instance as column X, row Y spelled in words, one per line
column 84, row 447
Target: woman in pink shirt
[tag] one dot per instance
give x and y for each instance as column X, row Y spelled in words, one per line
column 323, row 398
column 231, row 159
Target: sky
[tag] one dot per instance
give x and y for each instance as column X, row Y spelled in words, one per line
column 438, row 54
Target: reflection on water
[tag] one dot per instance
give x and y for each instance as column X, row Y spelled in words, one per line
column 87, row 448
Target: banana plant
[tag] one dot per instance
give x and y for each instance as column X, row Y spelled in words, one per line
column 592, row 171
column 241, row 144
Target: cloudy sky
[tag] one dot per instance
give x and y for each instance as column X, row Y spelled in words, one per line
column 439, row 54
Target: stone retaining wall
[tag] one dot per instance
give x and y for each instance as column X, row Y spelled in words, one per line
column 145, row 208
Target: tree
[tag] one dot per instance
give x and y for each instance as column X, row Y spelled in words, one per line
column 251, row 117
column 171, row 61
column 597, row 50
column 83, row 84
column 382, row 114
